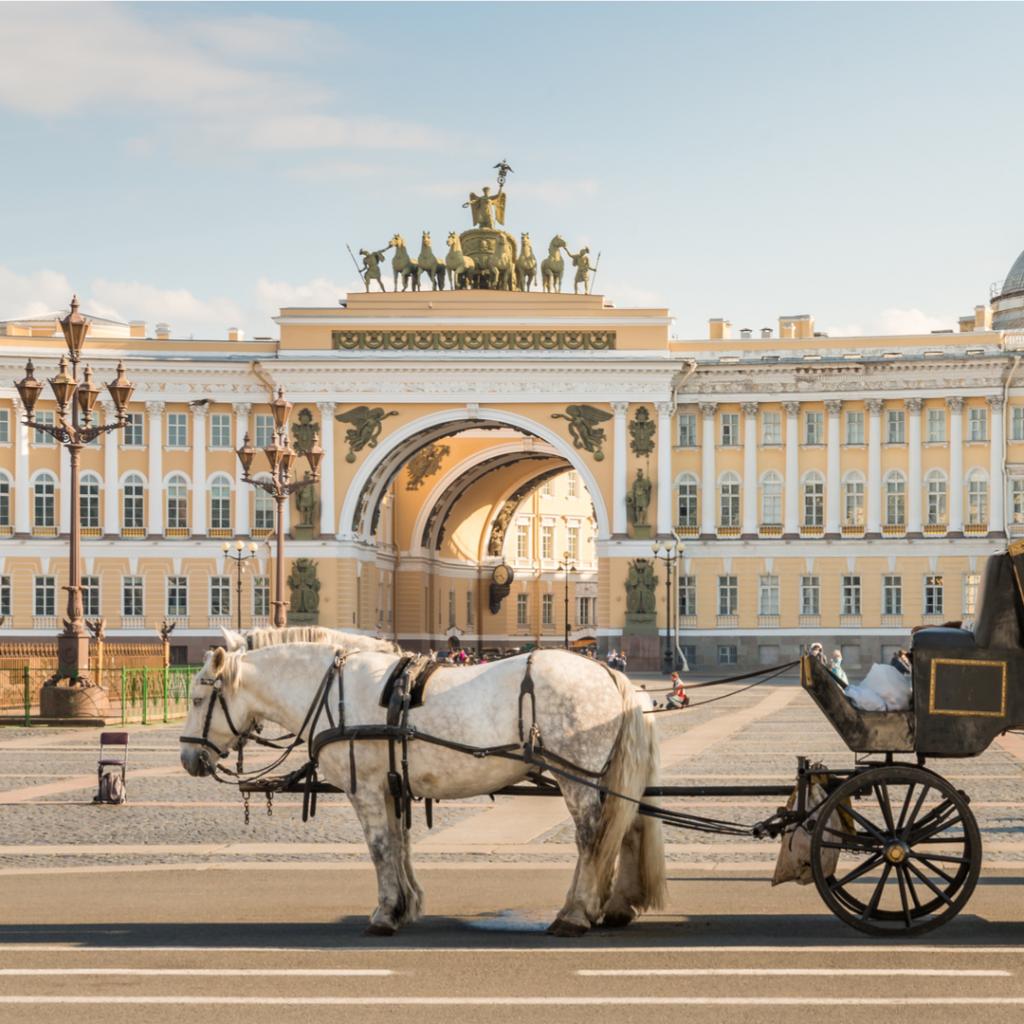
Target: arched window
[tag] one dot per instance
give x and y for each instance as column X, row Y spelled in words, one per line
column 814, row 499
column 977, row 498
column 89, row 501
column 771, row 499
column 220, row 503
column 853, row 499
column 132, row 503
column 177, row 502
column 5, row 500
column 935, row 498
column 729, row 500
column 686, row 495
column 43, row 501
column 895, row 499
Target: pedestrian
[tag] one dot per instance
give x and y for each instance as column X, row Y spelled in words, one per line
column 678, row 698
column 901, row 662
column 817, row 651
column 836, row 667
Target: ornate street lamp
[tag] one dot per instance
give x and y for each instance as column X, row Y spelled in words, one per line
column 669, row 553
column 567, row 565
column 76, row 400
column 238, row 556
column 278, row 483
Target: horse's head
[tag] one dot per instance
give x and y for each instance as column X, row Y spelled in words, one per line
column 217, row 719
column 558, row 242
column 452, row 238
column 397, row 241
column 426, row 238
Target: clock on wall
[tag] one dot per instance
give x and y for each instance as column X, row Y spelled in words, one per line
column 501, row 584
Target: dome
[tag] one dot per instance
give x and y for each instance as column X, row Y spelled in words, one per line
column 1008, row 305
column 1015, row 278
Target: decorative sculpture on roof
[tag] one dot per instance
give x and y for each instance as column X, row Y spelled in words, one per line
column 526, row 263
column 584, row 429
column 553, row 267
column 427, row 263
column 370, row 270
column 366, row 425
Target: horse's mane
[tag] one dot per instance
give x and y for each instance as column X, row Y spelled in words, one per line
column 318, row 635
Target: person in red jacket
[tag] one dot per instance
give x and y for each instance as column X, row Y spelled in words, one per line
column 678, row 697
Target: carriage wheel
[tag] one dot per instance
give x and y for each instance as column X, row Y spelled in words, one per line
column 909, row 851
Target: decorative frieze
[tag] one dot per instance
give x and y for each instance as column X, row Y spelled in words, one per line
column 471, row 341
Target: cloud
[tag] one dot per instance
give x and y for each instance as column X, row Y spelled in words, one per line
column 553, row 191
column 894, row 322
column 185, row 312
column 28, row 295
column 319, row 291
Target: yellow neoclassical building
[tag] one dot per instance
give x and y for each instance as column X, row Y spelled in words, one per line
column 499, row 463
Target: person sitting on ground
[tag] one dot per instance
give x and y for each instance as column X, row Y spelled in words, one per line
column 678, row 698
column 836, row 667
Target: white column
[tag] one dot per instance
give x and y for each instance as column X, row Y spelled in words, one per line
column 874, row 407
column 791, row 513
column 199, row 470
column 996, row 491
column 915, row 483
column 665, row 411
column 22, row 523
column 242, row 489
column 619, row 470
column 110, row 481
column 749, row 469
column 328, row 527
column 955, row 491
column 833, row 474
column 708, row 484
column 155, row 443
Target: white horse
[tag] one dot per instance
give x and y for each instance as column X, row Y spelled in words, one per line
column 585, row 713
column 270, row 637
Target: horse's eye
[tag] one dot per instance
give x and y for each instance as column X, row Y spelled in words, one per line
column 196, row 701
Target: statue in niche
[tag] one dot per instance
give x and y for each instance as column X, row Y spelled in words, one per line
column 304, row 605
column 638, row 501
column 305, row 502
column 504, row 517
column 641, row 432
column 640, row 584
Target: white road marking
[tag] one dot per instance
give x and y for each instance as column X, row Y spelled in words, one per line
column 771, row 972
column 211, row 972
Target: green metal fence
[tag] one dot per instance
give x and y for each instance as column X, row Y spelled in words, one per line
column 144, row 696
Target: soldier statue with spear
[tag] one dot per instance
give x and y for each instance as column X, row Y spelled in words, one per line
column 370, row 270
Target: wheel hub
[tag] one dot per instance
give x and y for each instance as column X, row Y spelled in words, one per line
column 896, row 853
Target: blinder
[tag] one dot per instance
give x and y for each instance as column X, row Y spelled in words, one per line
column 216, row 697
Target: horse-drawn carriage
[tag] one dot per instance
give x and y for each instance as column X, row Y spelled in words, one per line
column 893, row 846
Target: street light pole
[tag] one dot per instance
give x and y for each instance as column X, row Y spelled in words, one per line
column 76, row 399
column 568, row 566
column 669, row 554
column 280, row 485
column 238, row 557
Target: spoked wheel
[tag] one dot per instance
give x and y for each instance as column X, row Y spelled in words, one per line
column 909, row 851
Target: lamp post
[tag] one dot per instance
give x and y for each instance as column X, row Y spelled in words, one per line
column 238, row 556
column 76, row 400
column 278, row 483
column 566, row 565
column 669, row 554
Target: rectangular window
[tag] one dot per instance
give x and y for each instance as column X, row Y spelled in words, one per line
column 220, row 430
column 855, row 428
column 45, row 417
column 5, row 596
column 522, row 609
column 1017, row 423
column 5, row 426
column 687, row 430
column 977, row 424
column 933, row 595
column 810, row 595
column 573, row 544
column 547, row 541
column 727, row 654
column 814, row 428
column 45, row 600
column 895, row 426
column 177, row 430
column 730, row 429
column 261, row 595
column 220, row 595
column 5, row 501
column 91, row 596
column 522, row 540
column 545, row 489
column 851, row 595
column 892, row 595
column 264, row 429
column 133, row 436
column 971, row 583
column 131, row 596
column 571, row 484
column 768, row 598
column 771, row 428
column 547, row 609
column 177, row 595
column 687, row 595
column 935, row 425
column 728, row 595
column 586, row 608
column 1016, row 501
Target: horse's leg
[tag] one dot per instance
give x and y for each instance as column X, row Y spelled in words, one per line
column 588, row 892
column 628, row 891
column 376, row 815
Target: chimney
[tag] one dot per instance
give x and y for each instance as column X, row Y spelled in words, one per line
column 746, row 332
column 802, row 326
column 163, row 332
column 235, row 334
column 766, row 332
column 966, row 324
column 786, row 329
column 137, row 329
column 718, row 329
column 982, row 318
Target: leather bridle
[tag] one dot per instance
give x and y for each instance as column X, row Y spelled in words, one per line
column 216, row 697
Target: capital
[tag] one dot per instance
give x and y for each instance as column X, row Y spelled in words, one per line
column 620, row 408
column 791, row 408
column 955, row 403
column 995, row 402
column 326, row 408
column 664, row 408
column 707, row 409
column 242, row 409
column 834, row 406
column 199, row 412
column 873, row 405
column 913, row 404
column 749, row 408
column 155, row 408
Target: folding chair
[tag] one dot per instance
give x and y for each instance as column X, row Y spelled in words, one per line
column 107, row 759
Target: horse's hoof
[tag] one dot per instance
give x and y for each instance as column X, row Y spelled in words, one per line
column 619, row 919
column 563, row 929
column 378, row 928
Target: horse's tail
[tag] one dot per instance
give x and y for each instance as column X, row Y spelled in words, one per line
column 634, row 767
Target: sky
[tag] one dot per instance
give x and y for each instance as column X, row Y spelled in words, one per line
column 204, row 164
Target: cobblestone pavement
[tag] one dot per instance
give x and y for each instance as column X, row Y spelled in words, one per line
column 47, row 820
